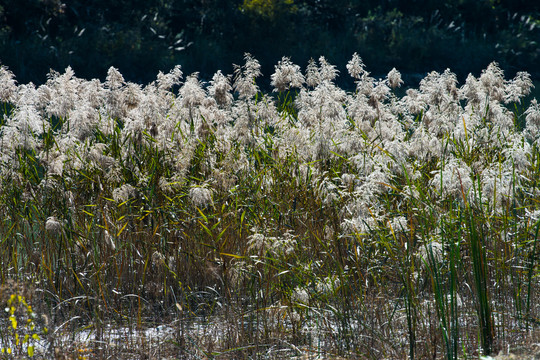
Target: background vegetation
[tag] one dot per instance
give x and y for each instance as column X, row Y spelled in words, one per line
column 141, row 37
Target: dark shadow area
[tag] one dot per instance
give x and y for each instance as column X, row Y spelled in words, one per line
column 144, row 37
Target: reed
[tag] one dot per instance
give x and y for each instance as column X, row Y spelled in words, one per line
column 307, row 221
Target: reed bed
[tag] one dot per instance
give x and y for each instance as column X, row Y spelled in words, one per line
column 307, row 222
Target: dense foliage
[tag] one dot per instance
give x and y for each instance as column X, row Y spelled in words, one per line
column 142, row 37
column 307, row 220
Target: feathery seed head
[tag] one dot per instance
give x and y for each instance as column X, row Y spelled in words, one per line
column 257, row 242
column 327, row 71
column 191, row 92
column 53, row 226
column 431, row 252
column 109, row 241
column 300, row 296
column 518, row 87
column 82, row 121
column 132, row 96
column 399, row 224
column 244, row 78
column 167, row 81
column 124, row 193
column 28, row 120
column 413, row 101
column 312, row 74
column 8, row 85
column 533, row 113
column 394, row 78
column 492, row 82
column 220, row 89
column 453, row 180
column 316, row 75
column 498, row 186
column 286, row 76
column 200, row 196
column 471, row 90
column 62, row 91
column 356, row 67
column 114, row 79
column 440, row 90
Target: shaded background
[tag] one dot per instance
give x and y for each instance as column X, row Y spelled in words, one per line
column 141, row 37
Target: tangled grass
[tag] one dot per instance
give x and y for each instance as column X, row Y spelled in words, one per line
column 308, row 222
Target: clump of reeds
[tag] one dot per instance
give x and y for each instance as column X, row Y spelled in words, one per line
column 310, row 219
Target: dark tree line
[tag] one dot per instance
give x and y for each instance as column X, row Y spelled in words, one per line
column 141, row 37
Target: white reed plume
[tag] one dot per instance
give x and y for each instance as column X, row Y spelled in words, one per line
column 287, row 75
column 83, row 120
column 114, row 79
column 453, row 180
column 312, row 74
column 200, row 196
column 322, row 106
column 518, row 87
column 518, row 153
column 8, row 85
column 498, row 185
column 327, row 71
column 532, row 118
column 191, row 93
column 394, row 78
column 220, row 89
column 356, row 67
column 114, row 83
column 124, row 193
column 492, row 82
column 172, row 78
column 245, row 76
column 53, row 225
column 61, row 93
column 440, row 90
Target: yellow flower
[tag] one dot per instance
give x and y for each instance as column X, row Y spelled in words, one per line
column 13, row 320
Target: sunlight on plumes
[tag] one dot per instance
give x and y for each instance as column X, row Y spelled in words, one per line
column 321, row 208
column 394, row 79
column 453, row 180
column 244, row 78
column 172, row 78
column 191, row 92
column 8, row 85
column 286, row 76
column 355, row 67
column 220, row 89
